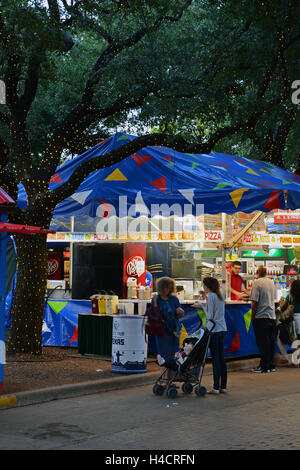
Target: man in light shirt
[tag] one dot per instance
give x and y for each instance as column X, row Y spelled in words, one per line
column 264, row 320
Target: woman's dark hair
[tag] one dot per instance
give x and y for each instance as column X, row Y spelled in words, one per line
column 213, row 285
column 295, row 290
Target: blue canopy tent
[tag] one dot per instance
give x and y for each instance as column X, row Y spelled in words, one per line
column 223, row 183
column 157, row 174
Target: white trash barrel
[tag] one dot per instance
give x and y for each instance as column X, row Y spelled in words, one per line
column 129, row 345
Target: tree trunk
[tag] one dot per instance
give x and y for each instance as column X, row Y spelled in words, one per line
column 28, row 304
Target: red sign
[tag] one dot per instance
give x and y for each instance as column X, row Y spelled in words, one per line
column 213, row 236
column 134, row 264
column 287, row 217
column 54, row 266
column 248, row 238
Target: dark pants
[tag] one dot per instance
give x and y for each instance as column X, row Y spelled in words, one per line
column 218, row 360
column 265, row 334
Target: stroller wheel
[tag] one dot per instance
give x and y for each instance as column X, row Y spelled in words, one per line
column 158, row 389
column 172, row 392
column 200, row 391
column 187, row 388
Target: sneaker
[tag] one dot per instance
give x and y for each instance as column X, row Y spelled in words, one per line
column 223, row 390
column 213, row 392
column 260, row 370
column 273, row 370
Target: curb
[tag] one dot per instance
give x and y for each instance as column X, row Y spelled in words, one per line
column 43, row 395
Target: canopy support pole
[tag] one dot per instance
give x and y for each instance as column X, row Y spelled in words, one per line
column 3, row 246
column 71, row 252
column 238, row 236
column 228, row 245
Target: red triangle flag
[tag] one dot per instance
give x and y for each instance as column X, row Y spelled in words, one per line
column 160, row 184
column 273, row 202
column 140, row 159
column 56, row 178
column 235, row 345
column 75, row 335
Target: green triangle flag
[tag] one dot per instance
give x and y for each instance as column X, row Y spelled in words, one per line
column 247, row 318
column 194, row 165
column 57, row 305
column 202, row 316
column 222, row 185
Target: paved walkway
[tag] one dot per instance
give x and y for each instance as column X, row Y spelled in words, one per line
column 109, row 381
column 261, row 411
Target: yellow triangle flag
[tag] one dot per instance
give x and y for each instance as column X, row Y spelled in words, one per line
column 237, row 194
column 252, row 172
column 116, row 175
column 183, row 335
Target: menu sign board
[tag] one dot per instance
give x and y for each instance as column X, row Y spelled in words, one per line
column 287, row 217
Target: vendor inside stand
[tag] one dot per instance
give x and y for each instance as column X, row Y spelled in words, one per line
column 238, row 290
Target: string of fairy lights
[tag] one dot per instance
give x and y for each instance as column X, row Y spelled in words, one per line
column 26, row 333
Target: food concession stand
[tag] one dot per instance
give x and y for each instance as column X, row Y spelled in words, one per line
column 218, row 189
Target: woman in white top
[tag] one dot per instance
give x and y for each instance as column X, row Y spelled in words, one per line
column 215, row 310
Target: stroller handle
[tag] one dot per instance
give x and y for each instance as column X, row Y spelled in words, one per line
column 214, row 324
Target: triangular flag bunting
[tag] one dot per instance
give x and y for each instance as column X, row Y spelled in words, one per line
column 45, row 328
column 81, row 197
column 236, row 195
column 123, row 137
column 57, row 305
column 240, row 161
column 247, row 318
column 188, row 194
column 223, row 164
column 222, row 185
column 273, row 202
column 116, row 175
column 194, row 165
column 160, row 184
column 183, row 335
column 252, row 172
column 202, row 316
column 140, row 159
column 56, row 178
column 75, row 335
column 104, row 141
column 235, row 345
column 266, row 171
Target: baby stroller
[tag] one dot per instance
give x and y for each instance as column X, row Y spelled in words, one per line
column 190, row 372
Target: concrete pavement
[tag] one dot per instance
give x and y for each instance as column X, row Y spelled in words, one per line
column 259, row 412
column 115, row 383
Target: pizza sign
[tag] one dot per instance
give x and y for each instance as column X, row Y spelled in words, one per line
column 213, row 236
